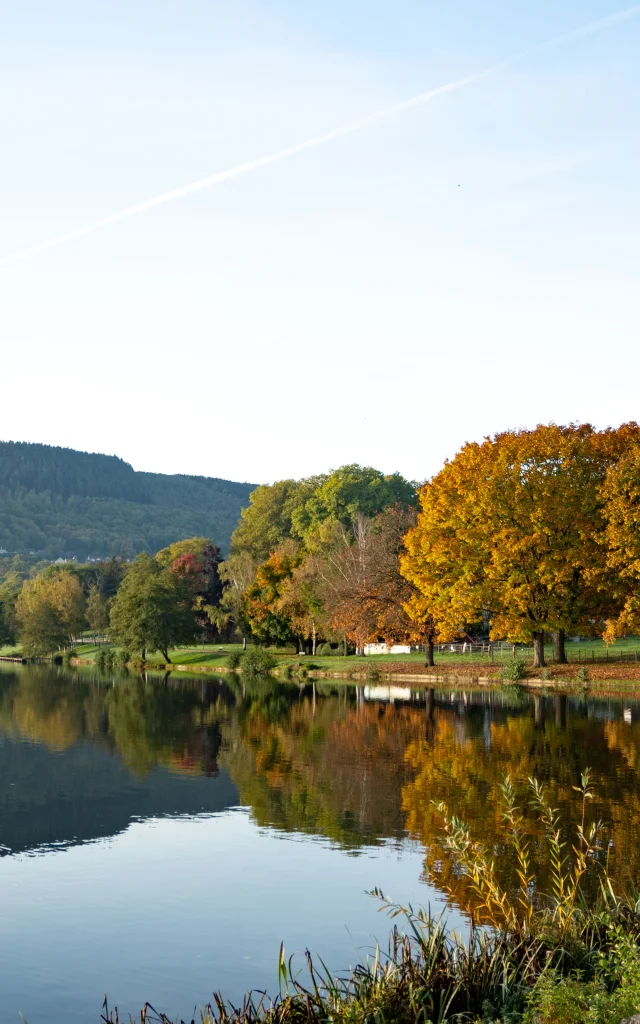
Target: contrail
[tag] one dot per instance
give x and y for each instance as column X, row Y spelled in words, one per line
column 590, row 28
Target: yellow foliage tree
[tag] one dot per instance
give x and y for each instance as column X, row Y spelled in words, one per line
column 621, row 497
column 510, row 527
column 49, row 612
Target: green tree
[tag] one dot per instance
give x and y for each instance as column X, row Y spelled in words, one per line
column 268, row 521
column 49, row 612
column 237, row 574
column 9, row 590
column 349, row 492
column 153, row 609
column 97, row 610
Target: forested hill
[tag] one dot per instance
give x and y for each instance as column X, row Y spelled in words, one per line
column 57, row 502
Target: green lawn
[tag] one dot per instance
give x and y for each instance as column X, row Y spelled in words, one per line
column 11, row 651
column 215, row 655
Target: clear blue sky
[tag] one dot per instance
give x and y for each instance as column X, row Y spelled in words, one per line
column 459, row 268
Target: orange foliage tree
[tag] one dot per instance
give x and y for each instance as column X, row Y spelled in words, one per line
column 510, row 527
column 621, row 539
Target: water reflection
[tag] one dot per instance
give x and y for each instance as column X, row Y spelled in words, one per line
column 81, row 756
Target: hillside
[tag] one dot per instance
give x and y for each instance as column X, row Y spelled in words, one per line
column 57, row 502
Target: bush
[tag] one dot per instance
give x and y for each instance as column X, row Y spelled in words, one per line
column 583, row 675
column 234, row 659
column 123, row 658
column 513, row 671
column 105, row 659
column 257, row 661
column 329, row 651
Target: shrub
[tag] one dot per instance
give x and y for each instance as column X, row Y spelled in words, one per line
column 234, row 659
column 513, row 670
column 582, row 675
column 257, row 661
column 329, row 650
column 123, row 657
column 105, row 659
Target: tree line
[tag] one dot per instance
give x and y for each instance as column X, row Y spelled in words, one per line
column 57, row 502
column 525, row 535
column 528, row 534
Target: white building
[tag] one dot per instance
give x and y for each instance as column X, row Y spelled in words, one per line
column 383, row 649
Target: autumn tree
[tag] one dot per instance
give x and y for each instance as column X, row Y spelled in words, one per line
column 620, row 493
column 300, row 603
column 363, row 594
column 197, row 562
column 153, row 609
column 49, row 612
column 262, row 600
column 510, row 526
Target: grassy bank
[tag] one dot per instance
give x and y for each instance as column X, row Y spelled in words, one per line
column 450, row 669
column 570, row 956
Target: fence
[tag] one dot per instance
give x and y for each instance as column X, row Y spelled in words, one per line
column 585, row 654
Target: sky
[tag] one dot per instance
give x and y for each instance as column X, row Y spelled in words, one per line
column 460, row 267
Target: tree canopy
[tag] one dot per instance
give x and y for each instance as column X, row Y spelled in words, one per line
column 49, row 612
column 511, row 527
column 153, row 609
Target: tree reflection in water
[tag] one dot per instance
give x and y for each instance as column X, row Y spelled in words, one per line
column 325, row 760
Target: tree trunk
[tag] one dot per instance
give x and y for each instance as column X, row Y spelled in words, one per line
column 346, row 649
column 165, row 653
column 313, row 640
column 538, row 711
column 538, row 650
column 431, row 703
column 428, row 654
column 143, row 654
column 559, row 653
column 244, row 643
column 561, row 710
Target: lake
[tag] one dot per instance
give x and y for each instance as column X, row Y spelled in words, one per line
column 159, row 838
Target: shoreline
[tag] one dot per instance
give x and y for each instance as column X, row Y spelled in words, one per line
column 603, row 683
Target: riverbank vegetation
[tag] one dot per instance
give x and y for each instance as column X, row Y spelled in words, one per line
column 565, row 954
column 527, row 538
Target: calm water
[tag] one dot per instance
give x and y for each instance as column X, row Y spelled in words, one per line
column 159, row 839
